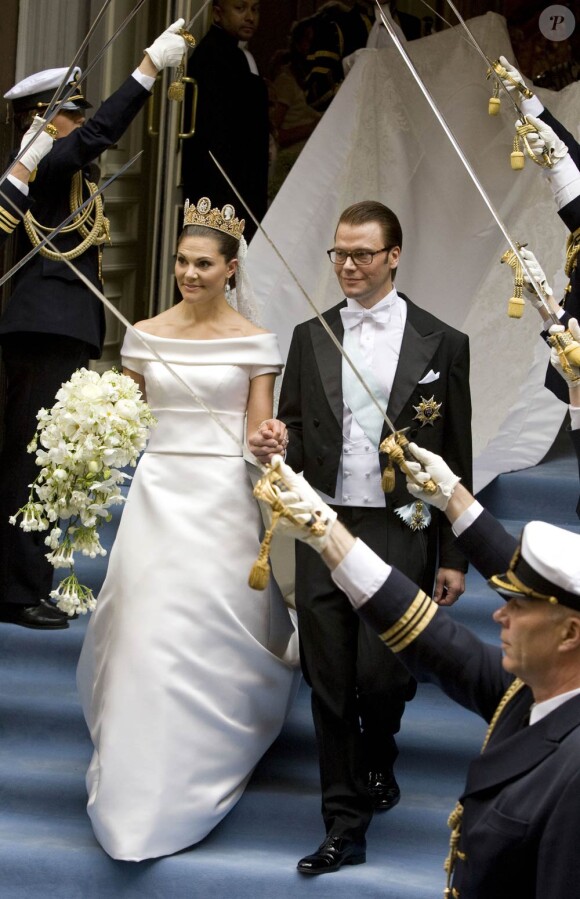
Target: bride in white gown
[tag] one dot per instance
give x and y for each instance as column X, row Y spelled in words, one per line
column 186, row 674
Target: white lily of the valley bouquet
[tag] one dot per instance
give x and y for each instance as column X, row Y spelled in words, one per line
column 98, row 425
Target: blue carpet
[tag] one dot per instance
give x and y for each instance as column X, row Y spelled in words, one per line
column 47, row 848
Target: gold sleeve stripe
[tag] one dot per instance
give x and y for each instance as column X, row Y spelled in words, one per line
column 7, row 221
column 411, row 624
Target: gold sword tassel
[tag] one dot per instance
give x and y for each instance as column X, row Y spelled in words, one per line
column 176, row 90
column 269, row 489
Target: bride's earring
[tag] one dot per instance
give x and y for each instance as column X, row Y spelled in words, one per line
column 228, row 290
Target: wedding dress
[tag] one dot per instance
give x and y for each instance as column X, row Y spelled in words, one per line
column 186, row 674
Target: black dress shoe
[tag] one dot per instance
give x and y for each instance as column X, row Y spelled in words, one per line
column 44, row 616
column 383, row 790
column 330, row 855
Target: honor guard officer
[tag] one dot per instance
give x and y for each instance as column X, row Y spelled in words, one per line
column 53, row 323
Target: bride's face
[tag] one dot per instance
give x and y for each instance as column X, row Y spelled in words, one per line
column 201, row 270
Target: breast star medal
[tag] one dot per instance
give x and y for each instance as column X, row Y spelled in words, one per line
column 427, row 411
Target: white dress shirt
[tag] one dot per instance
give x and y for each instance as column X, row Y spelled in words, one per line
column 379, row 344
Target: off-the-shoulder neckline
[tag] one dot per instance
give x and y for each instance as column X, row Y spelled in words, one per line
column 203, row 339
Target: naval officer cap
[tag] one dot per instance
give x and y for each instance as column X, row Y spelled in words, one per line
column 546, row 565
column 36, row 91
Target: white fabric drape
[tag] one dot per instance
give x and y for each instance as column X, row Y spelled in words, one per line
column 380, row 140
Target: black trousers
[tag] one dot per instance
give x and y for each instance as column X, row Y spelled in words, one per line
column 359, row 687
column 36, row 365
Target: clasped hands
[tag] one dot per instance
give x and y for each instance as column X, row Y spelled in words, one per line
column 270, row 438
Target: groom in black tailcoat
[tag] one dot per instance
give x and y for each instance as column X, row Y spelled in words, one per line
column 418, row 368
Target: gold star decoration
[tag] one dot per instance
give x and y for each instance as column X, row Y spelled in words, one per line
column 427, row 411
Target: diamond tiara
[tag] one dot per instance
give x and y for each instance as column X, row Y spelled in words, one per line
column 220, row 219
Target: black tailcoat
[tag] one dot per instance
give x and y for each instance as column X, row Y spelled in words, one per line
column 311, row 405
column 361, row 680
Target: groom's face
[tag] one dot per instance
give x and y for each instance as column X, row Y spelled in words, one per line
column 367, row 284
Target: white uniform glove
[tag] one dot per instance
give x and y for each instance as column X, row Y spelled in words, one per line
column 573, row 376
column 169, row 48
column 513, row 73
column 545, row 139
column 305, row 505
column 563, row 176
column 537, row 272
column 435, row 469
column 42, row 145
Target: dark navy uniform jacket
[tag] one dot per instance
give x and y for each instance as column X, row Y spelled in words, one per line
column 47, row 297
column 521, row 819
column 570, row 215
column 13, row 205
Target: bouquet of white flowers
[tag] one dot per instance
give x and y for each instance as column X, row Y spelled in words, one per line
column 98, row 425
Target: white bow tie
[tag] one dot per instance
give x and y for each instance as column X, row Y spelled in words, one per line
column 353, row 317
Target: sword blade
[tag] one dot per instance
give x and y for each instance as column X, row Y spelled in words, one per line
column 128, row 18
column 310, row 302
column 486, row 59
column 77, row 56
column 467, row 165
column 67, row 221
column 192, row 22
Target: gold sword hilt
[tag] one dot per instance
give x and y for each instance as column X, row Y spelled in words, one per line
column 522, row 132
column 396, row 446
column 269, row 489
column 568, row 351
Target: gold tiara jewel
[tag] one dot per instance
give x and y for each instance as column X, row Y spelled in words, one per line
column 221, row 219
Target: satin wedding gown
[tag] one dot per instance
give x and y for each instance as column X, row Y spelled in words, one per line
column 186, row 674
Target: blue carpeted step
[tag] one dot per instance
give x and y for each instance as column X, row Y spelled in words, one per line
column 548, row 491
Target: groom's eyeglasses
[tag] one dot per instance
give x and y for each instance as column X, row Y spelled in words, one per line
column 359, row 257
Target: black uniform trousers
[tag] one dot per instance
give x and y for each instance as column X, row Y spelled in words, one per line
column 36, row 365
column 359, row 687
